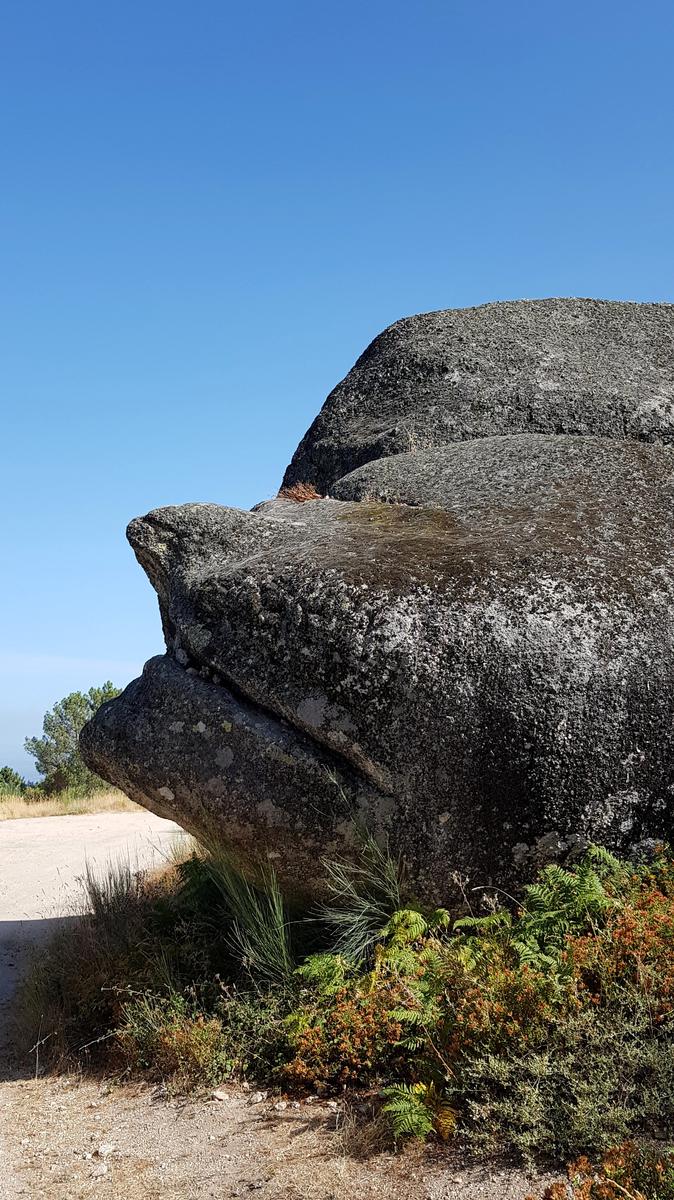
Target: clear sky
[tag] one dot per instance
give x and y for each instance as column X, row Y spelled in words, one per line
column 208, row 209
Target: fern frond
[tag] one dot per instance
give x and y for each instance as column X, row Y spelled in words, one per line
column 406, row 1016
column 496, row 920
column 325, row 972
column 406, row 925
column 408, row 1111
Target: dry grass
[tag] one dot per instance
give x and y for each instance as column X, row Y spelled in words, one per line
column 300, row 493
column 68, row 1000
column 362, row 1128
column 13, row 808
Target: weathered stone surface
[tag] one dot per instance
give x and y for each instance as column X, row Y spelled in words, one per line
column 561, row 476
column 543, row 366
column 484, row 663
column 190, row 750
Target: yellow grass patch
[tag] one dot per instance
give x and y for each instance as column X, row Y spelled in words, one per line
column 65, row 804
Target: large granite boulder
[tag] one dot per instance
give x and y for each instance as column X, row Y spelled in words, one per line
column 468, row 648
column 525, row 366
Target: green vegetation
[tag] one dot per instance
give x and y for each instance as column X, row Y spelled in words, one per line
column 57, row 753
column 545, row 1029
column 11, row 783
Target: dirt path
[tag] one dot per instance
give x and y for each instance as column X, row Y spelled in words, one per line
column 66, row 1138
column 41, row 862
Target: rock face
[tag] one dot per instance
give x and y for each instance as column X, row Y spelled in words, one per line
column 469, row 648
column 543, row 366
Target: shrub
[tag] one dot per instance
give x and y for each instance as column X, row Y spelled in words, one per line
column 545, row 1030
column 254, row 1028
column 349, row 1041
column 629, row 1170
column 172, row 1042
column 634, row 948
column 33, row 792
column 599, row 1076
column 139, row 976
column 72, row 997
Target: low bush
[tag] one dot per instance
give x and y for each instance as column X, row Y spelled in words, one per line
column 71, row 1000
column 546, row 1030
column 169, row 1039
column 629, row 1170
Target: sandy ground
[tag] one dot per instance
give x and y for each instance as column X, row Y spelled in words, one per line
column 71, row 1138
column 41, row 862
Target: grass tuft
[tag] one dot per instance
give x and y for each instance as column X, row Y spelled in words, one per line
column 363, row 896
column 259, row 925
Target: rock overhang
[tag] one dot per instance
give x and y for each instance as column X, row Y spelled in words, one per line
column 476, row 635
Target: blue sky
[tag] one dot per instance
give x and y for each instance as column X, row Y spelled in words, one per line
column 207, row 210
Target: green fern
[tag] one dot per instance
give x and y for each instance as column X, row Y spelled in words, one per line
column 326, row 973
column 409, row 925
column 417, row 1109
column 408, row 1110
column 561, row 902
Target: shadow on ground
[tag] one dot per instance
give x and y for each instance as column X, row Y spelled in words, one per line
column 20, row 944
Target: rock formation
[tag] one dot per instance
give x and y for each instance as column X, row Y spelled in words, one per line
column 544, row 366
column 468, row 647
